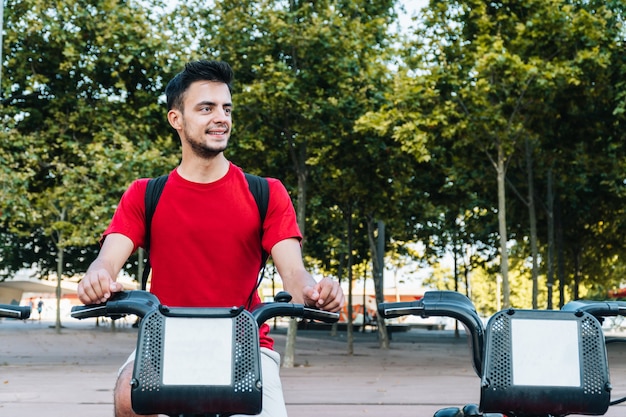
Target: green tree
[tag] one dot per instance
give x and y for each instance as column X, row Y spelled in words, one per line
column 488, row 73
column 80, row 92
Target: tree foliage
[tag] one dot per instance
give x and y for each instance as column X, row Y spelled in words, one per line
column 81, row 105
column 363, row 126
column 484, row 78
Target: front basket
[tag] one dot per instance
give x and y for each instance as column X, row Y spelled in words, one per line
column 540, row 362
column 197, row 361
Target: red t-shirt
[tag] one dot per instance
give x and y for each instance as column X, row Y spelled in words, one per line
column 205, row 247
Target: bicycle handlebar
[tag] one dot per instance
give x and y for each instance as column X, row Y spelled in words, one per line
column 15, row 312
column 267, row 311
column 597, row 308
column 444, row 304
column 183, row 392
column 141, row 303
column 121, row 303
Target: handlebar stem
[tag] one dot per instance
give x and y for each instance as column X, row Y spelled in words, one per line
column 445, row 304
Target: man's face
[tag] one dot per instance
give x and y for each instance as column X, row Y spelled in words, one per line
column 206, row 121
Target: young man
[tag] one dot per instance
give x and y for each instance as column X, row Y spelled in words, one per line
column 205, row 245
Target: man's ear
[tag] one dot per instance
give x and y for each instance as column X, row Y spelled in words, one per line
column 175, row 119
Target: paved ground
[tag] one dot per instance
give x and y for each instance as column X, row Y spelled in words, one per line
column 71, row 374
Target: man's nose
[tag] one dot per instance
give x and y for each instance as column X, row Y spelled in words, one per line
column 222, row 114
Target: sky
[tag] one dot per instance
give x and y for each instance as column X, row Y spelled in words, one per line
column 411, row 7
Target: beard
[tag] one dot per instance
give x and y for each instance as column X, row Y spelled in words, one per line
column 201, row 149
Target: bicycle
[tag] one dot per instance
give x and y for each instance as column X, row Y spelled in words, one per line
column 14, row 311
column 531, row 363
column 172, row 375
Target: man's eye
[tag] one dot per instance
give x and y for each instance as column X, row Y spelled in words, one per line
column 228, row 111
column 205, row 108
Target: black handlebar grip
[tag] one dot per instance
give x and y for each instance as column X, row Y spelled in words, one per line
column 320, row 315
column 88, row 311
column 597, row 308
column 121, row 303
column 400, row 308
column 13, row 311
column 266, row 311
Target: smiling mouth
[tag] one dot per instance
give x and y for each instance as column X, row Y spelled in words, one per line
column 216, row 132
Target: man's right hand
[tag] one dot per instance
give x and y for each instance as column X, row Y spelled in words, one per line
column 98, row 283
column 97, row 286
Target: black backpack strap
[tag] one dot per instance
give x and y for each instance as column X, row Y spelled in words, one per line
column 153, row 193
column 260, row 189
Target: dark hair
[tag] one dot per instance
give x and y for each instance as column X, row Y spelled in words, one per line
column 203, row 70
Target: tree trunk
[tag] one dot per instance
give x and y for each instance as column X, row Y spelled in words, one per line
column 504, row 256
column 377, row 248
column 455, row 250
column 466, row 269
column 57, row 325
column 290, row 344
column 140, row 264
column 560, row 257
column 350, row 324
column 349, row 330
column 301, row 171
column 532, row 214
column 60, row 252
column 550, row 260
column 340, row 268
column 577, row 274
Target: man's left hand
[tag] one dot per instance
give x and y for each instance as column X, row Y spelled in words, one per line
column 325, row 295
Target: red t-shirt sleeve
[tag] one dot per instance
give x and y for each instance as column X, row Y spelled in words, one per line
column 129, row 217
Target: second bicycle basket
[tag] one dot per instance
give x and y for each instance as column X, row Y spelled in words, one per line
column 540, row 362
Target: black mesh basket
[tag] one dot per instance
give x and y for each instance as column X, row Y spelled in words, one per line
column 197, row 361
column 541, row 362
